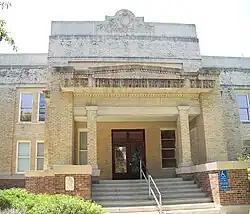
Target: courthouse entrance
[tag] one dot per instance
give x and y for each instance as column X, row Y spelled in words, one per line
column 128, row 146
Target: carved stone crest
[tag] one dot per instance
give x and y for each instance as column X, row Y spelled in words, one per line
column 124, row 21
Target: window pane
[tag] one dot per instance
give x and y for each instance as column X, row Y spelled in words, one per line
column 168, row 134
column 26, row 107
column 25, row 115
column 242, row 101
column 83, row 140
column 40, row 149
column 168, row 153
column 168, row 143
column 39, row 163
column 26, row 101
column 42, row 101
column 23, row 149
column 42, row 107
column 83, row 158
column 120, row 159
column 244, row 114
column 168, row 163
column 23, row 164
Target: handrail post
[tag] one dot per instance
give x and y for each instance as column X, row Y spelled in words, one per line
column 149, row 186
column 140, row 169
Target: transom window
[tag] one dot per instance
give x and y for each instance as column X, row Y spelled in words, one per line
column 26, row 107
column 83, row 148
column 243, row 103
column 168, row 148
column 41, row 110
column 39, row 155
column 23, row 156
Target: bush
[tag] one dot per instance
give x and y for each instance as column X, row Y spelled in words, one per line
column 11, row 211
column 28, row 203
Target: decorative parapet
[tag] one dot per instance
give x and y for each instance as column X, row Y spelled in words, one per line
column 135, row 76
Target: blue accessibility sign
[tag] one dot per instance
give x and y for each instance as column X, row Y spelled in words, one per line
column 224, row 185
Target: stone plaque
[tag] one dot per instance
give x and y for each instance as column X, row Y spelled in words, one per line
column 69, row 183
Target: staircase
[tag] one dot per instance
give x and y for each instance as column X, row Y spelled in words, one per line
column 131, row 196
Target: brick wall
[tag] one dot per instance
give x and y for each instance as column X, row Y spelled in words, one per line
column 56, row 185
column 11, row 183
column 239, row 192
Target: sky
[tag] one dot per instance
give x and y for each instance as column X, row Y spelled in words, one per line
column 223, row 26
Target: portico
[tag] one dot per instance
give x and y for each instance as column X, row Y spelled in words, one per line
column 135, row 97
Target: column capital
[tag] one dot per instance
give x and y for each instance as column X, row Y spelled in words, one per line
column 91, row 108
column 183, row 108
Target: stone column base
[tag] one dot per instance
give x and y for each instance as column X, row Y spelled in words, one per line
column 70, row 179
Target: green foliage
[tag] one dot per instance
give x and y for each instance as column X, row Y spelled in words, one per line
column 4, row 34
column 245, row 156
column 11, row 211
column 28, row 203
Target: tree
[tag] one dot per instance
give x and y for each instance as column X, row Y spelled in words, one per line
column 4, row 34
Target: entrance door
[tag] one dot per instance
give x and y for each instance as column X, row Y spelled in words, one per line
column 128, row 147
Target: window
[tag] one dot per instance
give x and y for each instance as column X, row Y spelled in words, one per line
column 246, row 145
column 168, row 148
column 39, row 155
column 41, row 110
column 243, row 103
column 26, row 107
column 83, row 155
column 23, row 157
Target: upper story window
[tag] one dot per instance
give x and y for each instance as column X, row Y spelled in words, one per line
column 243, row 103
column 41, row 107
column 26, row 107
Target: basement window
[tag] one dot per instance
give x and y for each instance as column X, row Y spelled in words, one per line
column 243, row 103
column 168, row 148
column 26, row 102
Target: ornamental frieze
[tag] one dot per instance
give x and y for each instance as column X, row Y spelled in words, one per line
column 137, row 83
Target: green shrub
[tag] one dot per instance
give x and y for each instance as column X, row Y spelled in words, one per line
column 4, row 203
column 11, row 211
column 19, row 199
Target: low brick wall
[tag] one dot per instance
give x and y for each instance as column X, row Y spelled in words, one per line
column 56, row 185
column 11, row 183
column 239, row 192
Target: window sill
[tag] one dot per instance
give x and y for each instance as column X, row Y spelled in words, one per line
column 30, row 123
column 245, row 121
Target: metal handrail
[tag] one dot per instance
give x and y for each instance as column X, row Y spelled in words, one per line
column 149, row 179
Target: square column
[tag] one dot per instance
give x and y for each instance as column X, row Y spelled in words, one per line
column 92, row 138
column 184, row 137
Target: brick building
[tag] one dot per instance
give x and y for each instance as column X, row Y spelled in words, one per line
column 110, row 92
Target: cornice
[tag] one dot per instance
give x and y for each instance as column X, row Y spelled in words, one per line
column 147, row 95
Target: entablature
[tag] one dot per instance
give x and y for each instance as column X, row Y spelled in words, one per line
column 136, row 76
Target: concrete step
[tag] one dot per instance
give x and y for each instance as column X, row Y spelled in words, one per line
column 99, row 187
column 147, row 202
column 138, row 181
column 166, row 208
column 141, row 184
column 146, row 197
column 145, row 191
